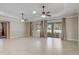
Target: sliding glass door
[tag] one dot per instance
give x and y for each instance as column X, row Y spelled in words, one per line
column 54, row 30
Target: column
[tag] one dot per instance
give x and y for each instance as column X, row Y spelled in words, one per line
column 29, row 29
column 45, row 28
column 64, row 29
column 43, row 32
column 78, row 29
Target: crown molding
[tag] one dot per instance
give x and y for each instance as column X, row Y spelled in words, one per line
column 7, row 15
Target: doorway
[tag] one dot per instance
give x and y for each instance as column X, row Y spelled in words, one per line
column 54, row 30
column 4, row 29
column 36, row 29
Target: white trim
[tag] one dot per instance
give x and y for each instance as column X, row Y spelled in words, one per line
column 71, row 16
column 7, row 15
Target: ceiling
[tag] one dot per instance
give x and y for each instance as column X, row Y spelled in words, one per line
column 58, row 10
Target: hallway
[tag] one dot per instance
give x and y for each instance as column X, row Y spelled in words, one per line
column 37, row 46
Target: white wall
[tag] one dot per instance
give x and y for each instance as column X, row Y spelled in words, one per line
column 17, row 28
column 72, row 28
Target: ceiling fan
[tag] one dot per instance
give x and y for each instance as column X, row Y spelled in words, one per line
column 44, row 14
column 23, row 19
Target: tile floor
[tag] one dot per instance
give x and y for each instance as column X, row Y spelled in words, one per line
column 38, row 46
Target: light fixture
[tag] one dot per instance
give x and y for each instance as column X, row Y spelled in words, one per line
column 44, row 13
column 43, row 16
column 34, row 12
column 22, row 15
column 22, row 20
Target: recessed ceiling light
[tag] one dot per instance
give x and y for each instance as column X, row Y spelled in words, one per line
column 34, row 12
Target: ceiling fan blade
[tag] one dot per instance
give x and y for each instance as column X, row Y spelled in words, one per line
column 48, row 15
column 48, row 12
column 25, row 19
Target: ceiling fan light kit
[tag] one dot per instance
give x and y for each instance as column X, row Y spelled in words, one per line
column 22, row 20
column 43, row 16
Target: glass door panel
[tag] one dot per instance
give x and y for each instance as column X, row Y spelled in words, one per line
column 54, row 30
